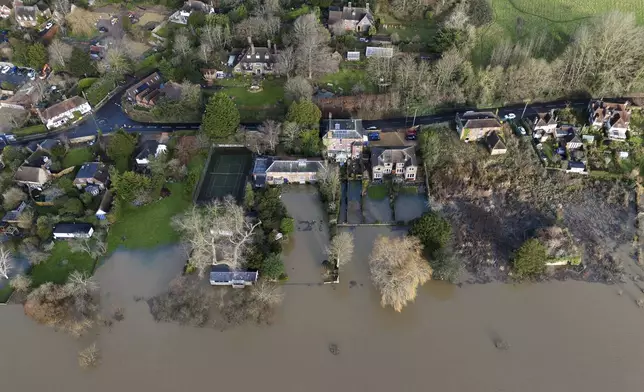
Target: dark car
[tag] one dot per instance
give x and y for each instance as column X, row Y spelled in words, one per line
column 373, row 136
column 411, row 135
column 103, row 29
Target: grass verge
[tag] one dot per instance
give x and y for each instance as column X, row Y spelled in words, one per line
column 60, row 264
column 5, row 293
column 32, row 130
column 377, row 192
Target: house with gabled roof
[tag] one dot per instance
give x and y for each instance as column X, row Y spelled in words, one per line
column 69, row 110
column 343, row 139
column 495, row 144
column 223, row 275
column 614, row 118
column 92, row 173
column 5, row 8
column 545, row 122
column 256, row 60
column 473, row 126
column 398, row 162
column 351, row 18
column 32, row 177
column 146, row 92
column 73, row 230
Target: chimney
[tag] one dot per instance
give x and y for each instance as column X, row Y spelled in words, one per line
column 252, row 47
column 275, row 48
column 366, row 6
column 349, row 5
column 268, row 45
column 329, row 121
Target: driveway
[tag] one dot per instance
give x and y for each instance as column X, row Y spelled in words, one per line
column 12, row 77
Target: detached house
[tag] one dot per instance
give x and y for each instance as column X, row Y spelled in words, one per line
column 146, row 92
column 92, row 173
column 568, row 138
column 613, row 117
column 63, row 112
column 32, row 177
column 223, row 275
column 269, row 171
column 495, row 144
column 256, row 60
column 473, row 126
column 398, row 162
column 343, row 139
column 150, row 148
column 5, row 8
column 545, row 122
column 73, row 230
column 26, row 15
column 352, row 18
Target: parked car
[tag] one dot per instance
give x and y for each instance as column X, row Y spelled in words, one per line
column 31, row 74
column 510, row 116
column 373, row 136
column 103, row 29
column 412, row 133
column 5, row 69
column 522, row 131
column 49, row 25
column 363, row 39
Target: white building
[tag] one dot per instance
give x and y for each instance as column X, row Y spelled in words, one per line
column 150, row 148
column 73, row 230
column 63, row 112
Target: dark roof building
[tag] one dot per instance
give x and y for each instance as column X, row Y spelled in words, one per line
column 495, row 143
column 222, row 275
column 92, row 173
column 344, row 128
column 73, row 230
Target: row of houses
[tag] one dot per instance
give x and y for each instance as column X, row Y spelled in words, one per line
column 24, row 15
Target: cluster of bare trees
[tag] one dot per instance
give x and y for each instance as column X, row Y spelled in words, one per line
column 213, row 38
column 71, row 307
column 218, row 233
column 329, row 180
column 397, row 269
column 265, row 138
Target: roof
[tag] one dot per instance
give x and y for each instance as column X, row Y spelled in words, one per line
column 544, row 119
column 62, row 107
column 612, row 111
column 298, row 166
column 348, row 13
column 149, row 147
column 576, row 165
column 483, row 123
column 405, row 155
column 352, row 128
column 106, row 202
column 71, row 228
column 374, row 51
column 262, row 55
column 6, row 3
column 31, row 174
column 12, row 216
column 151, row 80
column 95, row 170
column 223, row 273
column 48, row 144
column 25, row 11
column 494, row 142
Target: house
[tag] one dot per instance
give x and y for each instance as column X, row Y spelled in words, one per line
column 26, row 97
column 149, row 148
column 613, row 117
column 61, row 113
column 105, row 206
column 567, row 136
column 495, row 144
column 146, row 92
column 343, row 139
column 92, row 173
column 256, row 60
column 269, row 171
column 32, row 177
column 350, row 18
column 399, row 162
column 546, row 122
column 13, row 216
column 222, row 275
column 376, row 51
column 476, row 125
column 5, row 8
column 180, row 17
column 26, row 15
column 73, row 230
column 576, row 167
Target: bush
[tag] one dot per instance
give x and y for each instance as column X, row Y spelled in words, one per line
column 272, row 267
column 432, row 230
column 530, row 259
column 287, row 225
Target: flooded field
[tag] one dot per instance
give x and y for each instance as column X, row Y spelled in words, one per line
column 565, row 336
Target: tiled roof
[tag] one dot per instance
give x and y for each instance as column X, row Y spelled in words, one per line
column 62, row 107
column 299, row 166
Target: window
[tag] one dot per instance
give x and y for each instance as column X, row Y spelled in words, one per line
column 411, row 175
column 399, row 170
column 256, row 56
column 247, row 56
column 377, row 175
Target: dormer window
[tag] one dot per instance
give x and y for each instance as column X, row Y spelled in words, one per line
column 247, row 56
column 256, row 56
column 266, row 56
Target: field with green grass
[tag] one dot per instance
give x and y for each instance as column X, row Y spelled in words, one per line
column 32, row 130
column 516, row 19
column 60, row 264
column 77, row 156
column 254, row 106
column 344, row 80
column 150, row 225
column 377, row 192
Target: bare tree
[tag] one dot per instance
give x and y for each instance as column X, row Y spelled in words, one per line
column 89, row 357
column 117, row 60
column 21, row 283
column 255, row 142
column 341, row 248
column 458, row 18
column 214, row 37
column 290, row 133
column 217, row 233
column 94, row 248
column 397, row 269
column 285, row 63
column 11, row 118
column 6, row 262
column 12, row 197
column 312, row 53
column 59, row 52
column 26, row 219
column 181, row 46
column 270, row 131
column 329, row 182
column 80, row 285
column 298, row 89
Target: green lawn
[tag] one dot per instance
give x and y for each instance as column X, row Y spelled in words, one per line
column 377, row 192
column 5, row 293
column 150, row 225
column 77, row 156
column 345, row 79
column 254, row 106
column 86, row 83
column 32, row 130
column 60, row 264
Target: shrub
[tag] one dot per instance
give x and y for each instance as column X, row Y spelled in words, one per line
column 432, row 230
column 287, row 225
column 530, row 259
column 272, row 267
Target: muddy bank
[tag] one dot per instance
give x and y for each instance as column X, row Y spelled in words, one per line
column 562, row 336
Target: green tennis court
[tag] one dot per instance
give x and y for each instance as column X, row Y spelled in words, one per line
column 225, row 174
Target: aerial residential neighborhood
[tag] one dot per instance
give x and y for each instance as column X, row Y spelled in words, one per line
column 303, row 172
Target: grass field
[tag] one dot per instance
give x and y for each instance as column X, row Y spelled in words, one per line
column 377, row 192
column 77, row 156
column 254, row 106
column 60, row 264
column 226, row 174
column 344, row 80
column 516, row 19
column 150, row 225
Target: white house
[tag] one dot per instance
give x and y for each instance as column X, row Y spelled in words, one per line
column 73, row 230
column 398, row 162
column 223, row 275
column 63, row 112
column 150, row 147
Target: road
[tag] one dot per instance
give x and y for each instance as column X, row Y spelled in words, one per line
column 111, row 117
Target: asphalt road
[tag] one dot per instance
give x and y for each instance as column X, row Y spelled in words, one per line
column 111, row 117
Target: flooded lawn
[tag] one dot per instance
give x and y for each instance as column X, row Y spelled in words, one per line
column 354, row 205
column 564, row 336
column 409, row 207
column 377, row 211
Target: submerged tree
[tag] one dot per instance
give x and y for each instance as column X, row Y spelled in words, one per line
column 340, row 249
column 397, row 269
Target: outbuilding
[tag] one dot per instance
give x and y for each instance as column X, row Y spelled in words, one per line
column 73, row 230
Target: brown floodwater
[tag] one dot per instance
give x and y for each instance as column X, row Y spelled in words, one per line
column 563, row 336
